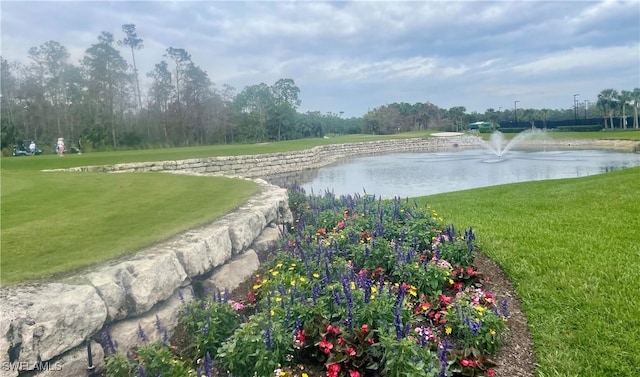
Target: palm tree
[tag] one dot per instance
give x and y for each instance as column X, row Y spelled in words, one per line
column 607, row 100
column 635, row 97
column 623, row 99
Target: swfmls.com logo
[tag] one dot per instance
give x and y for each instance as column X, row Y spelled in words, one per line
column 23, row 366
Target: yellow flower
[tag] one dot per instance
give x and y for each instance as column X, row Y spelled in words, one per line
column 302, row 279
column 305, row 375
column 413, row 291
column 275, row 273
column 316, row 275
column 492, row 332
column 293, row 264
column 451, row 281
column 352, row 285
column 278, row 299
column 279, row 265
column 447, row 330
column 293, row 283
column 374, row 289
column 256, row 286
column 272, row 313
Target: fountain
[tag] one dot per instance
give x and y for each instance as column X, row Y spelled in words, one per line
column 497, row 145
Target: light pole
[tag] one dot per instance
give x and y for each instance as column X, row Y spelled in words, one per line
column 515, row 111
column 575, row 108
column 586, row 107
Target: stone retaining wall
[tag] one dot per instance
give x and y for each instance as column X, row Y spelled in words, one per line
column 265, row 165
column 45, row 327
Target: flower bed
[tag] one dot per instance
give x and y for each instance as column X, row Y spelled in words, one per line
column 360, row 287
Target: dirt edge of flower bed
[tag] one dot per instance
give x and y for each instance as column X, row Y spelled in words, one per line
column 516, row 356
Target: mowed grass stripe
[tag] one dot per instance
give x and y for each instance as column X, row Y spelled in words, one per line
column 572, row 249
column 59, row 222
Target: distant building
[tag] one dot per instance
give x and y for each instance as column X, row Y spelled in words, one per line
column 483, row 127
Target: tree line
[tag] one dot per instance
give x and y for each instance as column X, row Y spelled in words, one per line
column 98, row 104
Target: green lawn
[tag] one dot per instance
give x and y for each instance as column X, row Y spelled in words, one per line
column 572, row 249
column 58, row 222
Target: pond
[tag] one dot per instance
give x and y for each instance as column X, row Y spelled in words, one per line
column 419, row 174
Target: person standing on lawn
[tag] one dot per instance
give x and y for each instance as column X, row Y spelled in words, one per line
column 60, row 146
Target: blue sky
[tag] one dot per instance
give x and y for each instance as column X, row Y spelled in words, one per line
column 355, row 56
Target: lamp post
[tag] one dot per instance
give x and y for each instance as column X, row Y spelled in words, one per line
column 575, row 108
column 586, row 107
column 515, row 111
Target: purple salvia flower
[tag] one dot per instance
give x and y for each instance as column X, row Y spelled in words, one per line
column 336, row 297
column 107, row 341
column 505, row 308
column 267, row 337
column 141, row 335
column 316, row 291
column 443, row 351
column 158, row 324
column 204, row 330
column 208, row 365
column 165, row 337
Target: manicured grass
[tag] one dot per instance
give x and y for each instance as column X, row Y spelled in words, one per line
column 52, row 161
column 55, row 223
column 572, row 249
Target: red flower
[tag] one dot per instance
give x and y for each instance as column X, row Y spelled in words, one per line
column 351, row 351
column 466, row 363
column 354, row 373
column 333, row 329
column 341, row 224
column 251, row 297
column 445, row 299
column 300, row 336
column 491, row 372
column 457, row 286
column 325, row 345
column 371, row 340
column 364, row 328
column 333, row 370
column 322, row 231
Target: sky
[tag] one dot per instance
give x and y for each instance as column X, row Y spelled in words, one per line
column 354, row 56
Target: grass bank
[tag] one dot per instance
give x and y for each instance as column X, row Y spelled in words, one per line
column 571, row 249
column 55, row 223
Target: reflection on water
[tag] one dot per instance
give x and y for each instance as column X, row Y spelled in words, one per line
column 418, row 174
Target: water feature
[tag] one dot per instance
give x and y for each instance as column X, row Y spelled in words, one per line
column 499, row 146
column 418, row 174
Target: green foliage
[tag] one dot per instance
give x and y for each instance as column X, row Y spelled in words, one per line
column 258, row 347
column 404, row 357
column 207, row 324
column 155, row 359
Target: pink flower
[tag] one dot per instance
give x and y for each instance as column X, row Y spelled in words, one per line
column 326, row 346
column 354, row 373
column 236, row 305
column 332, row 329
column 351, row 351
column 333, row 370
column 491, row 372
column 466, row 363
column 364, row 328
